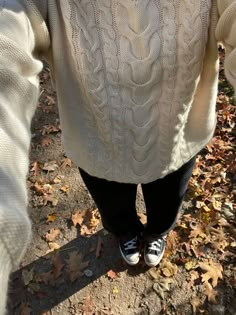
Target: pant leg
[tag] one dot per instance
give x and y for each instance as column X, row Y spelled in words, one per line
column 116, row 204
column 163, row 199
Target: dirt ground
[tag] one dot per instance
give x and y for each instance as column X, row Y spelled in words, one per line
column 73, row 265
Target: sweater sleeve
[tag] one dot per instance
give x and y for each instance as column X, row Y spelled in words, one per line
column 226, row 34
column 20, row 42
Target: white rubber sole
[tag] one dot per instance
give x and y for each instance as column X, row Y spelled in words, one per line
column 154, row 264
column 131, row 263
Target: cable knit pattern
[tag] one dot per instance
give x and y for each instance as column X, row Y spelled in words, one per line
column 136, row 83
column 138, row 64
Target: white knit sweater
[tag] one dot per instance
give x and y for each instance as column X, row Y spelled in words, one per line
column 136, row 83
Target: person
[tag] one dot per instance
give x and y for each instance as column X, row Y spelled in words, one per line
column 136, row 83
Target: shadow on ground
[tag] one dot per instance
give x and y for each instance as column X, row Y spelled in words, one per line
column 43, row 298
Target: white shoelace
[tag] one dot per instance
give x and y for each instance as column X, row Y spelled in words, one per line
column 132, row 244
column 156, row 245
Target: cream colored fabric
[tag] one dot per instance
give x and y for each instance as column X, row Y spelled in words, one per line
column 136, row 84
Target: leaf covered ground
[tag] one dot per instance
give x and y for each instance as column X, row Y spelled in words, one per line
column 73, row 266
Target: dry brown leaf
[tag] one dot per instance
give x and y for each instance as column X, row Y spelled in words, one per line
column 50, row 166
column 218, row 241
column 66, row 162
column 38, row 188
column 162, row 286
column 53, row 246
column 94, row 219
column 27, row 276
column 198, row 231
column 57, row 266
column 78, row 217
column 58, row 179
column 35, row 168
column 168, row 269
column 210, row 292
column 111, row 274
column 85, row 231
column 75, row 265
column 65, row 189
column 171, row 243
column 50, row 199
column 52, row 235
column 45, row 277
column 45, row 142
column 213, row 272
column 47, row 129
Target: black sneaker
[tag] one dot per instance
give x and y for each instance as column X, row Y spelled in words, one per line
column 130, row 250
column 154, row 251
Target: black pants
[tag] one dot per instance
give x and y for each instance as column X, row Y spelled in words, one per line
column 116, row 203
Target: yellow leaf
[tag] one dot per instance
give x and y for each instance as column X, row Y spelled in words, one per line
column 51, row 217
column 115, row 290
column 191, row 265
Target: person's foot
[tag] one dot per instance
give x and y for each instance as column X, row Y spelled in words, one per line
column 130, row 250
column 154, row 251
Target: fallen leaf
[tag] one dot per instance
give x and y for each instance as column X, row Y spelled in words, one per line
column 213, row 272
column 45, row 277
column 194, row 275
column 50, row 166
column 47, row 129
column 58, row 179
column 162, row 286
column 75, row 265
column 50, row 199
column 78, row 217
column 51, row 217
column 27, row 276
column 191, row 264
column 115, row 290
column 111, row 274
column 94, row 219
column 38, row 188
column 154, row 273
column 195, row 302
column 53, row 246
column 210, row 292
column 45, row 142
column 85, row 231
column 52, row 235
column 171, row 243
column 35, row 168
column 57, row 266
column 168, row 269
column 66, row 162
column 65, row 188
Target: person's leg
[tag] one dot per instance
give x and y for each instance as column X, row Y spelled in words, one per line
column 163, row 199
column 116, row 204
